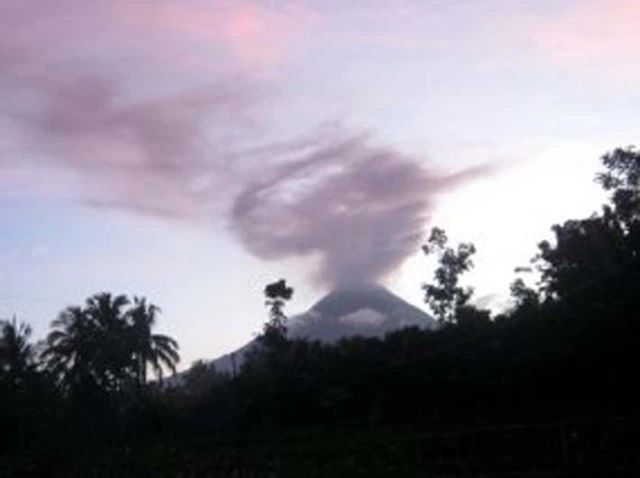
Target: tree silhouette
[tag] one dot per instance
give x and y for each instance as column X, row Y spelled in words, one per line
column 106, row 345
column 445, row 296
column 622, row 179
column 16, row 353
column 148, row 348
column 591, row 259
column 276, row 293
column 70, row 348
column 112, row 355
column 523, row 296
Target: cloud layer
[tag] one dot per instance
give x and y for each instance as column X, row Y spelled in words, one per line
column 128, row 142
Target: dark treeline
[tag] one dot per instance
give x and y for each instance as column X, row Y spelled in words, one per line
column 564, row 356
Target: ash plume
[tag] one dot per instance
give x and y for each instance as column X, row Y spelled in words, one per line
column 360, row 209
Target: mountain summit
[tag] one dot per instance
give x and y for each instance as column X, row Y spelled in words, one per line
column 367, row 310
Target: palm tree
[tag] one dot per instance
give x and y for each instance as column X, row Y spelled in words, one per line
column 104, row 345
column 159, row 351
column 70, row 348
column 106, row 310
column 89, row 345
column 15, row 351
column 112, row 355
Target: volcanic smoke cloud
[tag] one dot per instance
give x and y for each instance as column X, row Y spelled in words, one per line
column 190, row 153
column 361, row 209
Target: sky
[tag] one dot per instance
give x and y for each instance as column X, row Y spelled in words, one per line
column 192, row 151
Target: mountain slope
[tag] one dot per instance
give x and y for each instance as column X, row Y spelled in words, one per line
column 364, row 310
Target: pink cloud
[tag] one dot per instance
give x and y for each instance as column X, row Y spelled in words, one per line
column 248, row 32
column 593, row 33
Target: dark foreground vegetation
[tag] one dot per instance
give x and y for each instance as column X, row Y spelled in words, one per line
column 548, row 388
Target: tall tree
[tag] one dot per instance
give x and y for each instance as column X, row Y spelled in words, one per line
column 157, row 350
column 71, row 348
column 16, row 353
column 622, row 179
column 445, row 296
column 277, row 293
column 593, row 259
column 112, row 355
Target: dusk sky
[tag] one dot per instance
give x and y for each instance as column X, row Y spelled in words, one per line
column 192, row 151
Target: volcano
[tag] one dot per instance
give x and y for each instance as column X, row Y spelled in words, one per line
column 363, row 310
column 366, row 310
